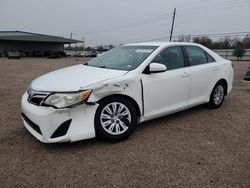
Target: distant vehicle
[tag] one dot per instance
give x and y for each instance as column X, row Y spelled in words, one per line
column 91, row 54
column 14, row 55
column 70, row 53
column 36, row 54
column 109, row 95
column 62, row 54
column 100, row 53
column 247, row 76
column 54, row 54
column 22, row 54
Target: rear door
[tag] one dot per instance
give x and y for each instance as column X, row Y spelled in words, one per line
column 204, row 73
column 168, row 91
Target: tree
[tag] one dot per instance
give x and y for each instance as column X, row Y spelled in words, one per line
column 239, row 50
column 246, row 41
column 204, row 40
column 226, row 43
column 184, row 38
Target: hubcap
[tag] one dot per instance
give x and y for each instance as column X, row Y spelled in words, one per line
column 115, row 118
column 218, row 94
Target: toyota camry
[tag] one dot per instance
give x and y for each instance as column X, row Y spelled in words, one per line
column 110, row 95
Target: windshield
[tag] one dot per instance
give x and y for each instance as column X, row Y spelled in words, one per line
column 123, row 58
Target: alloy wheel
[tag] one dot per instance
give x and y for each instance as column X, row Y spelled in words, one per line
column 218, row 94
column 115, row 118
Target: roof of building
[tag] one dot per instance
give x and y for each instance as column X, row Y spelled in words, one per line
column 33, row 37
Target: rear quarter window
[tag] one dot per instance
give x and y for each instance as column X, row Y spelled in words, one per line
column 210, row 59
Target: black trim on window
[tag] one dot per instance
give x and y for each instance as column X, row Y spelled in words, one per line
column 187, row 63
column 208, row 55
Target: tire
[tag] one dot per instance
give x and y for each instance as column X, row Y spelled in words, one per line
column 115, row 119
column 217, row 96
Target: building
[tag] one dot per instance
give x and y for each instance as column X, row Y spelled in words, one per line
column 29, row 43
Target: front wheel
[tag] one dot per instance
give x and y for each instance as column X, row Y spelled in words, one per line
column 217, row 95
column 115, row 119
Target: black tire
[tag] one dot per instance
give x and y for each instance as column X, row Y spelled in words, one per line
column 213, row 103
column 102, row 133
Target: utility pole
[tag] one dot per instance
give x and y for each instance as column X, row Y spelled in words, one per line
column 83, row 46
column 70, row 38
column 172, row 28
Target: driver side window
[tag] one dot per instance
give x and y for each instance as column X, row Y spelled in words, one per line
column 171, row 57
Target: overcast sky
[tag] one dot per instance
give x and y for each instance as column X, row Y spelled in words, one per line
column 124, row 21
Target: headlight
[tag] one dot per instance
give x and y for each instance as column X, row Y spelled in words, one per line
column 64, row 100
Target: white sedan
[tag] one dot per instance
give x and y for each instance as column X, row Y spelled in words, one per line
column 109, row 95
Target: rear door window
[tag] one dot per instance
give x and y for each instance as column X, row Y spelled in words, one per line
column 196, row 55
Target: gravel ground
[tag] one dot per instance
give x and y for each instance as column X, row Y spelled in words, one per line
column 194, row 148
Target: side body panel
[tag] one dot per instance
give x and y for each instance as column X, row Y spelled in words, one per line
column 165, row 92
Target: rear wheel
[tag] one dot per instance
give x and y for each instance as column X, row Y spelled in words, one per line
column 115, row 119
column 217, row 95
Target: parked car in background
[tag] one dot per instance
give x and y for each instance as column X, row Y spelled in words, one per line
column 247, row 75
column 36, row 54
column 22, row 54
column 14, row 55
column 90, row 54
column 62, row 54
column 108, row 96
column 54, row 54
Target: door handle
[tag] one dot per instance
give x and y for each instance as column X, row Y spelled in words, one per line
column 185, row 75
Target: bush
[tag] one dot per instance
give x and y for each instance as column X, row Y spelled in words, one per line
column 239, row 50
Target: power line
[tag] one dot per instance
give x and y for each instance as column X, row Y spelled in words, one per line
column 163, row 17
column 230, row 34
column 159, row 17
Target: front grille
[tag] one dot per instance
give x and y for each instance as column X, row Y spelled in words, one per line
column 36, row 97
column 31, row 124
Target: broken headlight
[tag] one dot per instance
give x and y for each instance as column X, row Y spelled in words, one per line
column 66, row 100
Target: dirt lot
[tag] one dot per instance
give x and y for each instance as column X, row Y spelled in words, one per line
column 195, row 148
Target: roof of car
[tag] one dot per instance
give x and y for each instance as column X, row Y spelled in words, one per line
column 162, row 44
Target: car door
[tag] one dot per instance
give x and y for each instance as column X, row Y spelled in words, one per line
column 204, row 73
column 168, row 91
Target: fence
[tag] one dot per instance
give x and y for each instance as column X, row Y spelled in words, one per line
column 228, row 54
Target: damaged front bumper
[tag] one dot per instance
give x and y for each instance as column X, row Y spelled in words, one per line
column 51, row 125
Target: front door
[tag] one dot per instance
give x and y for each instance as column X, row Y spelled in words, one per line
column 167, row 92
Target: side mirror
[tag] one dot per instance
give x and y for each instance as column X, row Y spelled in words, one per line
column 157, row 68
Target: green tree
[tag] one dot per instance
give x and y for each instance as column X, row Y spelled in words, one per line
column 239, row 50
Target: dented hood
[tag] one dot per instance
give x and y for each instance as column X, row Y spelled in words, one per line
column 74, row 78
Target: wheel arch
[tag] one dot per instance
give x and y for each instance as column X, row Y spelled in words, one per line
column 224, row 81
column 125, row 97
